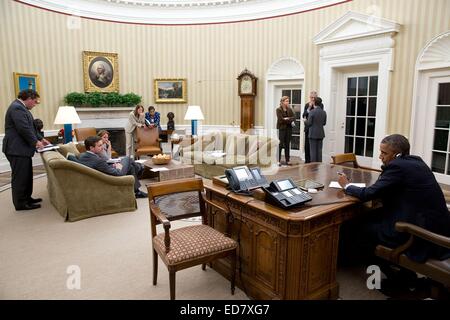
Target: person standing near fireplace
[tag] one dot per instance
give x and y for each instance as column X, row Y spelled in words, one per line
column 136, row 119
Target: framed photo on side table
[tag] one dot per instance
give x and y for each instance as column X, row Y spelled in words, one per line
column 24, row 81
column 100, row 72
column 170, row 91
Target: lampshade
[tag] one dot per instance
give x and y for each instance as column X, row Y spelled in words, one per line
column 67, row 114
column 194, row 113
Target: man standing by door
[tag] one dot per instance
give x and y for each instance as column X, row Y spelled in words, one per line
column 317, row 119
column 19, row 145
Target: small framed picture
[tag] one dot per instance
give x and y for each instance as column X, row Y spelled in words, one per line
column 170, row 91
column 24, row 81
column 100, row 72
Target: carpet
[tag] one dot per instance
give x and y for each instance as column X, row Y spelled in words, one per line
column 179, row 204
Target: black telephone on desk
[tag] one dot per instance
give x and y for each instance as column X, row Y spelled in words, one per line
column 285, row 194
column 242, row 179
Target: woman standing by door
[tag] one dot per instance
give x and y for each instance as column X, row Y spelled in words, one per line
column 136, row 119
column 285, row 117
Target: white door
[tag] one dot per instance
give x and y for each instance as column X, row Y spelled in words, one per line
column 356, row 116
column 295, row 102
column 437, row 152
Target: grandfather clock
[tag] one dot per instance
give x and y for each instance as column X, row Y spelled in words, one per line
column 247, row 92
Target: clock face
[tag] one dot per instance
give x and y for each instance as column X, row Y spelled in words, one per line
column 246, row 85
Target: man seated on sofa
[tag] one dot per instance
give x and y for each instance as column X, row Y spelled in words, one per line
column 92, row 159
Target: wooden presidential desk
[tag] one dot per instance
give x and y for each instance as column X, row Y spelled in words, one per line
column 288, row 254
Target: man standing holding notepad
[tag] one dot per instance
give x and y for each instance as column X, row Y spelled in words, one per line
column 19, row 145
column 410, row 193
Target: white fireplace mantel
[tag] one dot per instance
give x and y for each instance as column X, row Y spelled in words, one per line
column 113, row 117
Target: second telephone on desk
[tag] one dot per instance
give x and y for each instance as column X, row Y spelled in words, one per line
column 285, row 194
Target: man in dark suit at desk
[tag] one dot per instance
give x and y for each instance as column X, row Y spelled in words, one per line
column 19, row 145
column 410, row 193
column 91, row 158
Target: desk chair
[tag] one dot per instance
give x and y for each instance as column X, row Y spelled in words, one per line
column 82, row 133
column 436, row 270
column 148, row 142
column 188, row 246
column 346, row 158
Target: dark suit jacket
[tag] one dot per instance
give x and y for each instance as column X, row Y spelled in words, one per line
column 410, row 193
column 281, row 123
column 93, row 161
column 20, row 134
column 317, row 119
column 306, row 114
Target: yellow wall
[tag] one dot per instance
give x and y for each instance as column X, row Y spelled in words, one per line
column 33, row 40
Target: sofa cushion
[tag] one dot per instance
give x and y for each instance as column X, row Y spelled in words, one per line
column 70, row 147
column 236, row 144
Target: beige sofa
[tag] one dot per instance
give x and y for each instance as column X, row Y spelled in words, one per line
column 78, row 192
column 239, row 149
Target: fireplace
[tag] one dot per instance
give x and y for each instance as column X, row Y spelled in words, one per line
column 117, row 138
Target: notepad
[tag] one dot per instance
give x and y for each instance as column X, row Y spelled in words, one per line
column 115, row 160
column 48, row 147
column 336, row 185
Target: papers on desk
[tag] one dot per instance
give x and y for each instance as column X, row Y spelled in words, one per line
column 140, row 161
column 159, row 169
column 335, row 184
column 48, row 147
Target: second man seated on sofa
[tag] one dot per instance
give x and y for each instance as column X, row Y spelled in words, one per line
column 92, row 158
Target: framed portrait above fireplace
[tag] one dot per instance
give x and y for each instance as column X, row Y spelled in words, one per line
column 100, row 72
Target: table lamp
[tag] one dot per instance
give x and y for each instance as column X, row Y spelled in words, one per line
column 67, row 115
column 194, row 113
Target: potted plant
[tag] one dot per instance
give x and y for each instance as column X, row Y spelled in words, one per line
column 75, row 99
column 99, row 99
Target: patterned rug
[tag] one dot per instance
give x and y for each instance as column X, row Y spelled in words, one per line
column 178, row 204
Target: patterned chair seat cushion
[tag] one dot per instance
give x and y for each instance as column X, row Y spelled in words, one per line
column 191, row 243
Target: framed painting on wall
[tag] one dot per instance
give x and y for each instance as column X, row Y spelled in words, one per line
column 24, row 81
column 100, row 71
column 170, row 91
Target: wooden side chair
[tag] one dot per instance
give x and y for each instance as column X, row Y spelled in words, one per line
column 436, row 270
column 347, row 159
column 148, row 142
column 192, row 245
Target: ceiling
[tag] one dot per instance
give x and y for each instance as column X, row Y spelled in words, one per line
column 179, row 12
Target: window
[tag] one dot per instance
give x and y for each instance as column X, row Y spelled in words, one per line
column 295, row 99
column 441, row 150
column 360, row 115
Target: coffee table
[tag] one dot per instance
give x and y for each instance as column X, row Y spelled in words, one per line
column 176, row 170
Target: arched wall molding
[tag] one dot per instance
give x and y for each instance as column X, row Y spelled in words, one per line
column 433, row 62
column 180, row 12
column 436, row 53
column 286, row 71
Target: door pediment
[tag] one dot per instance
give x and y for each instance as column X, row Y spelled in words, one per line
column 354, row 25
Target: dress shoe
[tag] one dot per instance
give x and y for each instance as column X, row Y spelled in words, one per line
column 32, row 200
column 29, row 206
column 140, row 194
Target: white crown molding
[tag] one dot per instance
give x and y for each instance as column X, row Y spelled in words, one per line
column 436, row 54
column 175, row 12
column 354, row 25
